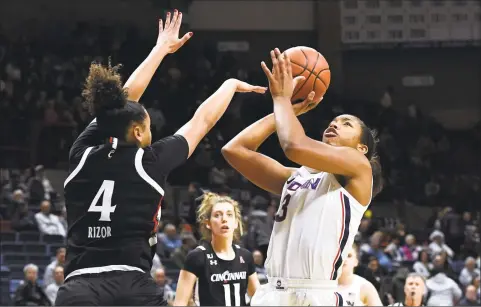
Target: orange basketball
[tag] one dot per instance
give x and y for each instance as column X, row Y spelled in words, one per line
column 308, row 62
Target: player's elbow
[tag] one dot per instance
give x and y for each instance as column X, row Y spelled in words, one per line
column 291, row 150
column 229, row 150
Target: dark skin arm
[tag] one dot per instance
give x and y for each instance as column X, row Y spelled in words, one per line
column 299, row 148
column 263, row 171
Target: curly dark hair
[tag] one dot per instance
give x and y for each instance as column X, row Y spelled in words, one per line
column 107, row 100
column 103, row 89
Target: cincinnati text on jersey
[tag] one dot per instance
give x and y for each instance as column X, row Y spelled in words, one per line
column 227, row 276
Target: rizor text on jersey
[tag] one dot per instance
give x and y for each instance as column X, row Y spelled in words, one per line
column 100, row 232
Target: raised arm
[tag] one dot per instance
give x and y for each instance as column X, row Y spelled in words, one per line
column 297, row 146
column 241, row 153
column 103, row 84
column 211, row 110
column 167, row 42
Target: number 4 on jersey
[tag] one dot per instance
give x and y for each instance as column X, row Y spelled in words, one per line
column 107, row 189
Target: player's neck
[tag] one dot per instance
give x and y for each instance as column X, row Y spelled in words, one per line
column 412, row 301
column 222, row 246
column 345, row 279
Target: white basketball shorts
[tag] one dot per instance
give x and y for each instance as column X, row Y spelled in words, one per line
column 297, row 292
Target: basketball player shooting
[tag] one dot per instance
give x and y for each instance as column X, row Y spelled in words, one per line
column 322, row 202
column 117, row 181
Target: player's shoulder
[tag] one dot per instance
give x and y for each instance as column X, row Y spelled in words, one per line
column 198, row 252
column 242, row 251
column 360, row 279
column 362, row 282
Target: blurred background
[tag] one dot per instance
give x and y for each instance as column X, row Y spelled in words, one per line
column 409, row 68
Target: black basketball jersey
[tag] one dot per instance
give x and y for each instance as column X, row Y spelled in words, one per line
column 220, row 282
column 113, row 195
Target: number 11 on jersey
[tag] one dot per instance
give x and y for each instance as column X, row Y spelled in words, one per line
column 236, row 294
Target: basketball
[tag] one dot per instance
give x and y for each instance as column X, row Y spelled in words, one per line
column 308, row 62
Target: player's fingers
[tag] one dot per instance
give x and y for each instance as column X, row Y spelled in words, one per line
column 298, row 79
column 161, row 26
column 310, row 98
column 178, row 22
column 277, row 52
column 266, row 70
column 167, row 21
column 173, row 22
column 275, row 63
column 282, row 63
column 259, row 89
column 185, row 38
column 288, row 64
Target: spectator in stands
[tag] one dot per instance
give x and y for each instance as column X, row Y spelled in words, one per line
column 169, row 240
column 157, row 118
column 444, row 291
column 469, row 272
column 17, row 199
column 40, row 187
column 410, row 251
column 63, row 218
column 47, row 222
column 23, row 219
column 423, row 266
column 161, row 280
column 260, row 226
column 156, row 264
column 48, row 277
column 180, row 253
column 52, row 289
column 14, row 184
column 393, row 250
column 437, row 244
column 374, row 249
column 29, row 293
column 470, row 297
column 374, row 272
column 478, row 288
column 260, row 269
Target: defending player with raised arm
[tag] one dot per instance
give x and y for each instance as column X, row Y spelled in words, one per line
column 356, row 290
column 117, row 177
column 322, row 202
column 222, row 272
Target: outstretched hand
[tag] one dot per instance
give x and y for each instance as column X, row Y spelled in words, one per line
column 169, row 34
column 244, row 87
column 281, row 82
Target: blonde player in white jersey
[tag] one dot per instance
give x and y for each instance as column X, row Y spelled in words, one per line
column 356, row 290
column 322, row 202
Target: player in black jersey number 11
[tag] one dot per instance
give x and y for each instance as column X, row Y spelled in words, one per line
column 222, row 272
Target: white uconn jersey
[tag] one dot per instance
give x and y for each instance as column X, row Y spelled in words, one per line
column 315, row 227
column 352, row 292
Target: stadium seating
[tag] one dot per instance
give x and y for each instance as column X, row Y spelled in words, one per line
column 18, row 249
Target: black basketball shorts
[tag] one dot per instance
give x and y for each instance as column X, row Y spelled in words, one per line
column 117, row 288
